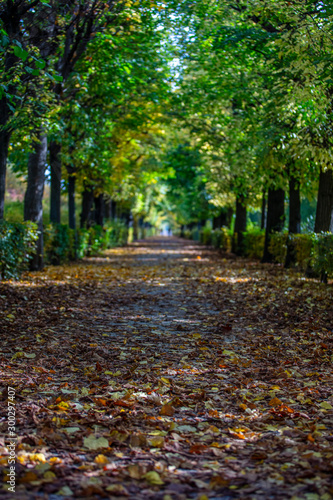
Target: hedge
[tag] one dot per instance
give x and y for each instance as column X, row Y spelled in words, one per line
column 61, row 244
column 312, row 251
column 16, row 247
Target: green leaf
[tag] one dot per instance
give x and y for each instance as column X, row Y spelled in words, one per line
column 21, row 53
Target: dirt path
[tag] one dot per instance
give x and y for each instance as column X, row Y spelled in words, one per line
column 165, row 371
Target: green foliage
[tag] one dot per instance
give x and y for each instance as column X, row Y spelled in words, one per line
column 206, row 236
column 96, row 239
column 278, row 247
column 311, row 250
column 16, row 247
column 14, row 211
column 59, row 244
column 217, row 238
column 254, row 241
column 323, row 253
column 83, row 238
column 303, row 245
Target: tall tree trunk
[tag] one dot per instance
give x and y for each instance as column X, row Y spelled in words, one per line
column 33, row 200
column 55, row 164
column 217, row 222
column 294, row 206
column 108, row 209
column 135, row 227
column 87, row 204
column 275, row 218
column 71, row 210
column 4, row 145
column 99, row 209
column 263, row 211
column 71, row 200
column 294, row 219
column 113, row 209
column 240, row 226
column 324, row 214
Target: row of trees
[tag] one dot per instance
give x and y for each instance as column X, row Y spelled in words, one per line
column 82, row 84
column 256, row 93
column 178, row 109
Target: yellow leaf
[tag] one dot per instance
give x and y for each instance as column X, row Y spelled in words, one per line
column 167, row 410
column 156, row 442
column 63, row 406
column 165, row 380
column 153, row 478
column 101, row 459
column 49, row 475
column 275, row 402
column 326, row 405
column 18, row 355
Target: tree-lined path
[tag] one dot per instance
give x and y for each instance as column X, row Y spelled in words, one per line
column 164, row 370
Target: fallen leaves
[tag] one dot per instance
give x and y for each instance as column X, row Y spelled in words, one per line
column 93, row 443
column 141, row 375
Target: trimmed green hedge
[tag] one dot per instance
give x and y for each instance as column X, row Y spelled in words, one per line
column 312, row 251
column 16, row 247
column 254, row 242
column 61, row 244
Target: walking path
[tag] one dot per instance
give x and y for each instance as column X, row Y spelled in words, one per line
column 164, row 370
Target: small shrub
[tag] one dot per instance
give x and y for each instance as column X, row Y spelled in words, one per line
column 323, row 254
column 83, row 237
column 206, row 236
column 278, row 247
column 59, row 243
column 303, row 247
column 17, row 246
column 254, row 242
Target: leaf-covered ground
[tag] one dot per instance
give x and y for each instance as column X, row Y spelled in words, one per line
column 166, row 371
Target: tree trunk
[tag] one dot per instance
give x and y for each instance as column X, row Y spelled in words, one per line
column 135, row 227
column 33, row 200
column 240, row 226
column 87, row 204
column 55, row 164
column 99, row 209
column 71, row 201
column 324, row 214
column 113, row 209
column 263, row 211
column 275, row 218
column 294, row 220
column 4, row 145
column 108, row 209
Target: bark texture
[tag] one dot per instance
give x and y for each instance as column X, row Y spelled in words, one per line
column 87, row 205
column 294, row 220
column 55, row 164
column 71, row 201
column 263, row 211
column 4, row 144
column 275, row 218
column 33, row 200
column 99, row 209
column 240, row 226
column 324, row 214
